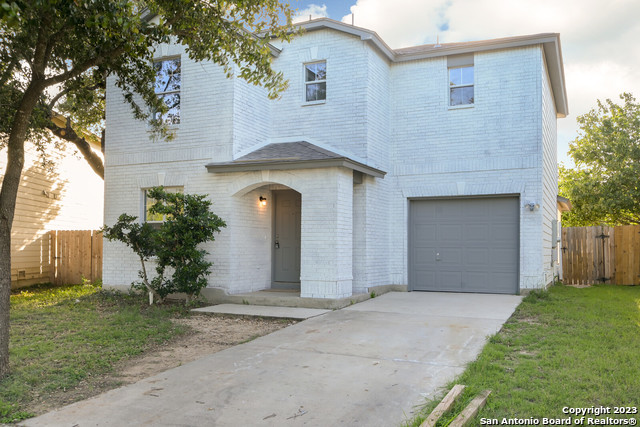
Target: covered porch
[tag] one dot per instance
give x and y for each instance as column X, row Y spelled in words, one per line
column 291, row 222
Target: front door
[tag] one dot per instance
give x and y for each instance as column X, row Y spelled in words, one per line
column 286, row 238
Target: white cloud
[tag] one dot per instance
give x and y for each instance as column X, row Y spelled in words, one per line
column 312, row 10
column 599, row 38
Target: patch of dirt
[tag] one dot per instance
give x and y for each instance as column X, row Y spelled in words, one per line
column 207, row 334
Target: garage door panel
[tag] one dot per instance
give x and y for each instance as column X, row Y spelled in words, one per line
column 476, row 232
column 425, row 234
column 504, row 257
column 477, row 257
column 474, row 279
column 453, row 279
column 426, row 278
column 473, row 244
column 501, row 281
column 504, row 231
column 424, row 258
column 449, row 232
column 447, row 257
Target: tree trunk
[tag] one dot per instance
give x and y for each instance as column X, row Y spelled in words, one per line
column 8, row 194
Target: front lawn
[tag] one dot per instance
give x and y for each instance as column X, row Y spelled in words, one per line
column 64, row 336
column 566, row 347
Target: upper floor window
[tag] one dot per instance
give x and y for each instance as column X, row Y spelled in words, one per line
column 315, row 81
column 461, row 86
column 461, row 80
column 153, row 218
column 167, row 87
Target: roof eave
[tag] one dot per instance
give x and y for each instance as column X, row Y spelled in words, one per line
column 363, row 33
column 552, row 51
column 555, row 66
column 249, row 166
column 549, row 41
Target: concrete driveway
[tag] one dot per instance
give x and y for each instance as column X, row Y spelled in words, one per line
column 368, row 364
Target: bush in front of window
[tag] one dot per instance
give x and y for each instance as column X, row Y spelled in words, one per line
column 180, row 265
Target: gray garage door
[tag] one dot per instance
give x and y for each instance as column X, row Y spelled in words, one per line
column 464, row 245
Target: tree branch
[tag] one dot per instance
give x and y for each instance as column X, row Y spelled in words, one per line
column 68, row 134
column 79, row 69
column 62, row 93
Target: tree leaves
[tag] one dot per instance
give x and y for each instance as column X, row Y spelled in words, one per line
column 604, row 188
column 189, row 223
column 75, row 43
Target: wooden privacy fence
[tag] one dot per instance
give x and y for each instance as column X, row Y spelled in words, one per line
column 75, row 254
column 601, row 255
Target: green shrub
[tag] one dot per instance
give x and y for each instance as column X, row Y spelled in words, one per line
column 181, row 266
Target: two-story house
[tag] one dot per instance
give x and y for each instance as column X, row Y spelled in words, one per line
column 432, row 166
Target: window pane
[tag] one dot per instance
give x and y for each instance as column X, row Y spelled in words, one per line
column 455, row 76
column 172, row 117
column 467, row 75
column 310, row 72
column 317, row 71
column 316, row 92
column 148, row 202
column 168, row 75
column 461, row 95
column 467, row 95
column 455, row 96
column 148, row 215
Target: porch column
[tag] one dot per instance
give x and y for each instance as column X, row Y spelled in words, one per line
column 327, row 228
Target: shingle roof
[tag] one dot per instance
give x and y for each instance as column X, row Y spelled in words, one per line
column 292, row 155
column 289, row 151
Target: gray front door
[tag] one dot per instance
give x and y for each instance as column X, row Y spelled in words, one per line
column 464, row 245
column 286, row 237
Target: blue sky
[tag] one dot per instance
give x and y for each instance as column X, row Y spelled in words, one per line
column 600, row 38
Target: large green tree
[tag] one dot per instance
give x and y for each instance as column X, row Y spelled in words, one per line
column 604, row 186
column 55, row 55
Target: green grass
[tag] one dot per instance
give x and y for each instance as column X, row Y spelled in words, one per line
column 563, row 347
column 61, row 336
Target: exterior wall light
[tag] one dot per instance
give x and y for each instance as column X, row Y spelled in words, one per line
column 532, row 206
column 263, row 201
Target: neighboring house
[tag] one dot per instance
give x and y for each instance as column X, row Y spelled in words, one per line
column 432, row 166
column 64, row 195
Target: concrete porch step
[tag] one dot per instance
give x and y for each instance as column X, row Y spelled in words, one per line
column 288, row 298
column 263, row 311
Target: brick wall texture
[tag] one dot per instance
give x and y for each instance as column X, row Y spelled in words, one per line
column 391, row 116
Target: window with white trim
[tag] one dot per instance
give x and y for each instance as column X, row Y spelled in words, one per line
column 315, row 81
column 461, row 80
column 167, row 87
column 461, row 86
column 154, row 218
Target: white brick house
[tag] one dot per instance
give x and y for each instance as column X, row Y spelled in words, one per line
column 371, row 176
